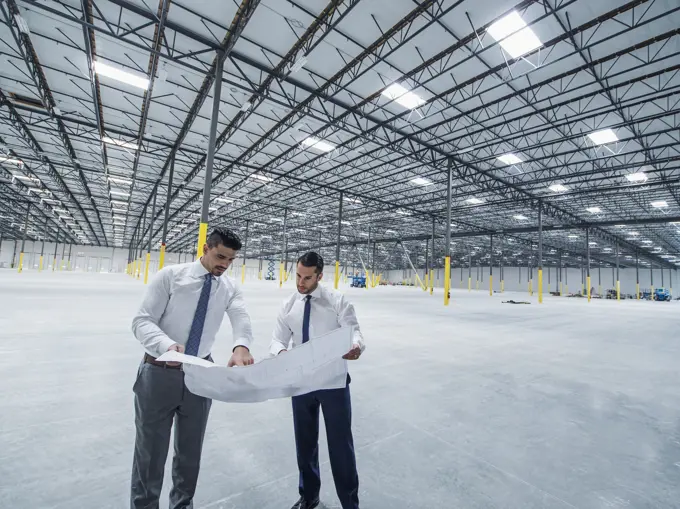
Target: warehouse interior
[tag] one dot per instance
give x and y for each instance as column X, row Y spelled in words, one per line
column 447, row 158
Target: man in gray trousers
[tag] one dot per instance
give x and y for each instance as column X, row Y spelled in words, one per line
column 182, row 311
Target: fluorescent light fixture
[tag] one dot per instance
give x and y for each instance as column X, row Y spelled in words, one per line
column 661, row 204
column 316, row 143
column 346, row 223
column 120, row 181
column 572, row 236
column 390, row 231
column 592, row 243
column 118, row 202
column 299, row 64
column 403, row 212
column 509, row 159
column 558, row 188
column 636, row 177
column 61, row 210
column 420, row 181
column 108, row 71
column 520, row 217
column 120, row 143
column 523, row 39
column 9, row 160
column 647, row 242
column 474, row 201
column 118, row 219
column 27, row 179
column 51, row 202
column 603, row 137
column 633, row 234
column 594, row 210
column 224, row 200
column 260, row 177
column 119, row 193
column 403, row 96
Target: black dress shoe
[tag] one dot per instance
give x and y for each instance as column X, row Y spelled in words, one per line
column 304, row 504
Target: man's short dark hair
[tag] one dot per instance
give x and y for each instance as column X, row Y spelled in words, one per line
column 223, row 236
column 312, row 259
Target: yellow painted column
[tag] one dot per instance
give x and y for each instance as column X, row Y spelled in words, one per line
column 280, row 274
column 146, row 268
column 431, row 283
column 139, row 269
column 243, row 273
column 336, row 279
column 69, row 266
column 540, row 286
column 40, row 266
column 202, row 236
column 637, row 290
column 54, row 264
column 477, row 284
column 161, row 257
column 469, row 284
column 259, row 275
column 21, row 261
column 502, row 285
column 490, row 285
column 599, row 290
column 566, row 289
column 618, row 290
column 588, row 283
column 447, row 279
column 561, row 289
column 583, row 290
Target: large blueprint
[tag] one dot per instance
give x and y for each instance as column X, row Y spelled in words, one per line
column 315, row 365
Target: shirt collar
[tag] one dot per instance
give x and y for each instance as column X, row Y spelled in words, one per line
column 316, row 294
column 198, row 270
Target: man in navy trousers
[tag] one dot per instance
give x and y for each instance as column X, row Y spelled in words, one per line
column 311, row 312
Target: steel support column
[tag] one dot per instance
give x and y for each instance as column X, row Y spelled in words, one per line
column 336, row 277
column 245, row 254
column 432, row 255
column 618, row 281
column 161, row 257
column 490, row 265
column 23, row 238
column 148, row 247
column 56, row 244
column 205, row 209
column 637, row 275
column 447, row 247
column 540, row 252
column 283, row 247
column 588, row 263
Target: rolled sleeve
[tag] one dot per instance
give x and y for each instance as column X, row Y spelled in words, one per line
column 241, row 326
column 145, row 323
column 282, row 334
column 347, row 318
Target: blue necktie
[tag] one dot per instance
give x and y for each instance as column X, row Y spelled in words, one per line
column 305, row 319
column 199, row 318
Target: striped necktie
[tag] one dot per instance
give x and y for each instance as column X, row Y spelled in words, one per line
column 199, row 318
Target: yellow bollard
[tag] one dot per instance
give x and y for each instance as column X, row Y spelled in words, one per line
column 40, row 267
column 502, row 285
column 243, row 273
column 280, row 274
column 161, row 257
column 469, row 284
column 336, row 279
column 146, row 268
column 588, row 283
column 618, row 290
column 637, row 291
column 490, row 285
column 432, row 283
column 540, row 286
column 447, row 279
column 202, row 237
column 21, row 261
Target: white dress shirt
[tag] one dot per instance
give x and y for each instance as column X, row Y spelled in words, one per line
column 168, row 309
column 329, row 311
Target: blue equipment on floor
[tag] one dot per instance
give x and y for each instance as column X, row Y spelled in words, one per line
column 662, row 294
column 358, row 282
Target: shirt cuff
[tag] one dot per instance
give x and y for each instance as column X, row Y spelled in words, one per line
column 245, row 343
column 164, row 345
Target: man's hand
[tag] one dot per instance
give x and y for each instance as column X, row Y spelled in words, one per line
column 353, row 354
column 177, row 348
column 240, row 357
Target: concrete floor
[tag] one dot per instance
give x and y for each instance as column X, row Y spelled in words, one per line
column 480, row 405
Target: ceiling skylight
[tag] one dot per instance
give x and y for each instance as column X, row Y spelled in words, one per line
column 120, row 75
column 119, row 193
column 316, row 143
column 522, row 41
column 120, row 143
column 9, row 160
column 420, row 181
column 604, row 136
column 594, row 210
column 509, row 159
column 400, row 94
column 636, row 177
column 120, row 181
column 260, row 177
column 558, row 188
column 474, row 201
column 661, row 204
